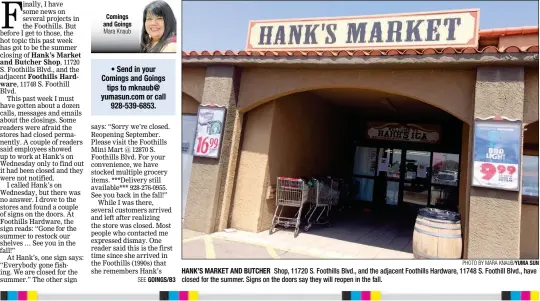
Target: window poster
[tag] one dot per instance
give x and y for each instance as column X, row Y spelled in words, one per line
column 422, row 171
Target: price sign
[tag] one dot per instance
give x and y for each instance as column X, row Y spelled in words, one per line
column 497, row 154
column 210, row 123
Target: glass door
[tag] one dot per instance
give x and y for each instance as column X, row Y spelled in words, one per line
column 416, row 180
column 365, row 161
column 389, row 169
column 409, row 178
column 444, row 181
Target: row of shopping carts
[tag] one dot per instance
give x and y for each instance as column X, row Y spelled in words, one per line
column 319, row 195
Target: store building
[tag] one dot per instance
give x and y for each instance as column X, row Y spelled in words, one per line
column 403, row 115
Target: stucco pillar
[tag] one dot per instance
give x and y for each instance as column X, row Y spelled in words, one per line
column 252, row 178
column 210, row 176
column 495, row 215
column 464, row 183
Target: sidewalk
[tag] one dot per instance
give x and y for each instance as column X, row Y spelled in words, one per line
column 215, row 246
column 382, row 243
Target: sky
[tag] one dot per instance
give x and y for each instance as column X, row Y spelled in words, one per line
column 223, row 25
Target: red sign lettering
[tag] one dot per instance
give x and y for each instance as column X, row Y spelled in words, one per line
column 204, row 144
column 489, row 170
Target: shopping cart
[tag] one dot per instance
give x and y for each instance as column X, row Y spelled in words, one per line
column 289, row 193
column 344, row 192
column 338, row 191
column 323, row 194
column 345, row 202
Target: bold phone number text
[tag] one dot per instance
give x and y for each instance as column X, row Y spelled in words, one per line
column 133, row 105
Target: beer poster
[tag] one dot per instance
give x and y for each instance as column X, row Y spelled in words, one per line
column 497, row 154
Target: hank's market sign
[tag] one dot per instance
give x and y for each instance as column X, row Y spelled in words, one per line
column 404, row 31
column 407, row 132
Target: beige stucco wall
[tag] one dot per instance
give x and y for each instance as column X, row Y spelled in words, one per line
column 521, row 41
column 294, row 136
column 252, row 168
column 495, row 215
column 530, row 111
column 189, row 104
column 309, row 129
column 464, row 184
column 193, row 82
column 210, row 178
column 449, row 90
column 529, row 231
column 529, row 212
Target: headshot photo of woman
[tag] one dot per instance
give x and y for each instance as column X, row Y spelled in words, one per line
column 159, row 28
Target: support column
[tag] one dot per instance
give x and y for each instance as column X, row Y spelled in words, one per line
column 495, row 215
column 209, row 176
column 465, row 183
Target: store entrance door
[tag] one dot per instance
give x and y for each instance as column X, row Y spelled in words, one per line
column 416, row 180
column 406, row 178
column 389, row 171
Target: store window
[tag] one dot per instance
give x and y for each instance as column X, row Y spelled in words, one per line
column 530, row 179
column 444, row 181
column 445, row 169
column 365, row 161
column 364, row 189
column 365, row 165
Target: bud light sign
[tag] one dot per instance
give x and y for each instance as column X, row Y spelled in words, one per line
column 497, row 154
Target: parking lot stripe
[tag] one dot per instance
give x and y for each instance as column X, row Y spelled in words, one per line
column 209, row 246
column 193, row 238
column 272, row 253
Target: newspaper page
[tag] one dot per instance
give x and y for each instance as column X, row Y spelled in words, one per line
column 229, row 150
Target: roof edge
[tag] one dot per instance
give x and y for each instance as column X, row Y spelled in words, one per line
column 509, row 31
column 475, row 59
column 391, row 52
